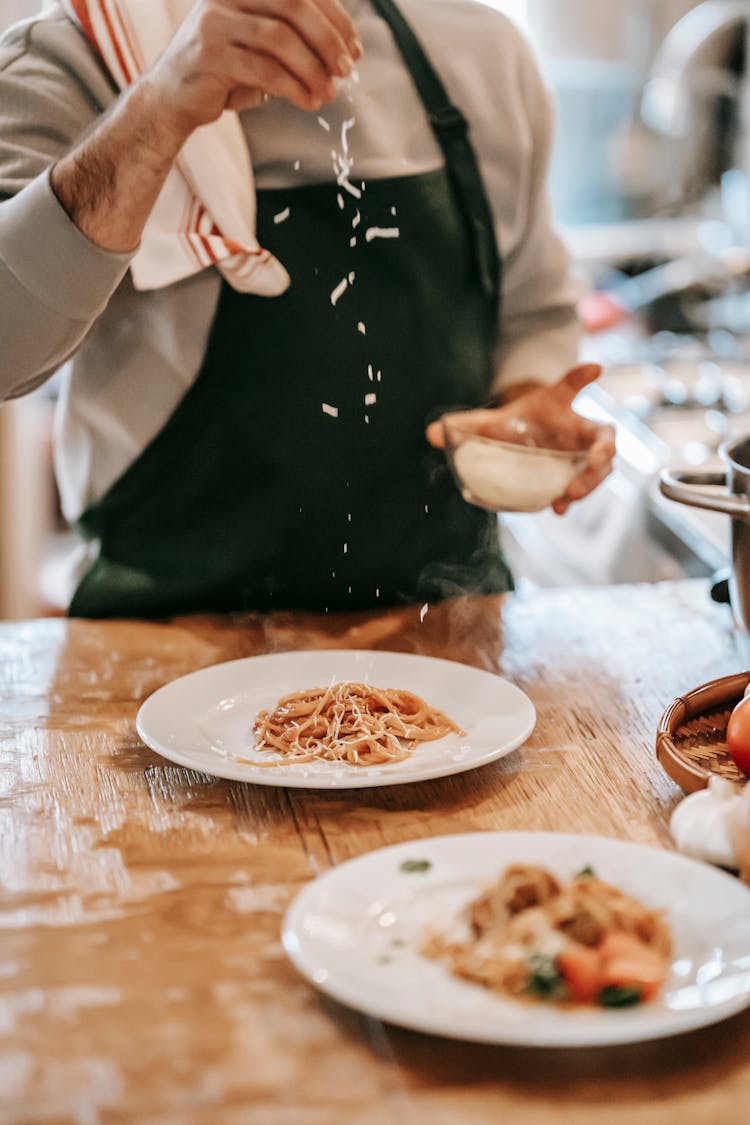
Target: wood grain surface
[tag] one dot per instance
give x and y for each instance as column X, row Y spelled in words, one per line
column 142, row 977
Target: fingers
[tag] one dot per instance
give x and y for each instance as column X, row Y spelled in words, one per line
column 229, row 53
column 246, row 97
column 436, row 435
column 273, row 56
column 485, row 423
column 550, row 424
column 323, row 26
column 605, row 444
column 579, row 377
column 295, row 74
column 340, row 20
column 598, row 467
column 580, row 433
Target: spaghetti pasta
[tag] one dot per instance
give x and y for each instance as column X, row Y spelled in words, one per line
column 349, row 722
column 580, row 942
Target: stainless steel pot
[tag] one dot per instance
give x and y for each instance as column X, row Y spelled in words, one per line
column 722, row 490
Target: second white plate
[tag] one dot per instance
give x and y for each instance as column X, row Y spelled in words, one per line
column 356, row 934
column 205, row 720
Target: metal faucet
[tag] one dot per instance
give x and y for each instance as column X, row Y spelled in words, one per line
column 691, row 60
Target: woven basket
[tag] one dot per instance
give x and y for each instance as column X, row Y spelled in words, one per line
column 691, row 736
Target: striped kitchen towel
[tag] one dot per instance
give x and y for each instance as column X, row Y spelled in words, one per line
column 205, row 213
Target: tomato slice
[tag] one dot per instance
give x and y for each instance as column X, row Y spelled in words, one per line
column 628, row 963
column 581, row 968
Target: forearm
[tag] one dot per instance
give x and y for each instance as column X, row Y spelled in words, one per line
column 109, row 183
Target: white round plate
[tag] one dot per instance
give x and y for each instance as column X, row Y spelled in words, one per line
column 356, row 932
column 205, row 720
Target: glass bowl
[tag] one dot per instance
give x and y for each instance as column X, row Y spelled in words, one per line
column 515, row 474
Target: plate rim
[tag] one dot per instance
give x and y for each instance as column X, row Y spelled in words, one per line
column 625, row 1035
column 266, row 777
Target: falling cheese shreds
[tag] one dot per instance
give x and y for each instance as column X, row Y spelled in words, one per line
column 340, row 200
column 357, row 219
column 342, row 285
column 361, row 328
column 351, row 277
column 344, row 183
column 423, row 611
column 371, row 399
column 324, row 124
column 333, row 411
column 342, row 166
column 345, row 127
column 393, row 210
column 280, row 216
column 296, row 166
column 353, row 241
column 381, row 232
column 370, row 374
column 379, row 376
column 346, row 547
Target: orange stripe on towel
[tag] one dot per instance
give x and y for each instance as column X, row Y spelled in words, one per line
column 116, row 46
column 81, row 9
column 127, row 38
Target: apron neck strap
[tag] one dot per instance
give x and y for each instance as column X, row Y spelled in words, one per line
column 451, row 131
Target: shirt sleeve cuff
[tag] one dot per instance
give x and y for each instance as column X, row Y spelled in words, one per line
column 47, row 253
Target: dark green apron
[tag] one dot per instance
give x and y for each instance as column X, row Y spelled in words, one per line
column 295, row 471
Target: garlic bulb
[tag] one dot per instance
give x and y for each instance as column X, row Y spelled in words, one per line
column 699, row 824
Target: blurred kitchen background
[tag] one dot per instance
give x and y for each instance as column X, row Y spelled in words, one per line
column 650, row 185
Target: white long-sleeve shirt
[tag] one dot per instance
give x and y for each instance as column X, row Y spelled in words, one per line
column 132, row 355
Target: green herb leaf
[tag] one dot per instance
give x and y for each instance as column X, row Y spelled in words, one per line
column 585, row 872
column 410, row 866
column 615, row 997
column 545, row 978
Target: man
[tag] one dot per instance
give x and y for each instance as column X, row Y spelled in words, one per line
column 226, row 440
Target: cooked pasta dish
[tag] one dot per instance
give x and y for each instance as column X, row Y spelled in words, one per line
column 349, row 722
column 581, row 942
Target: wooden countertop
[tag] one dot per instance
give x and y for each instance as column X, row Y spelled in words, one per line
column 141, row 974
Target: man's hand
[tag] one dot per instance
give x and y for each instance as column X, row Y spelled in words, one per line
column 546, row 414
column 230, row 54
